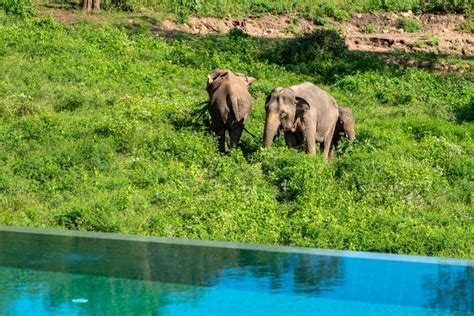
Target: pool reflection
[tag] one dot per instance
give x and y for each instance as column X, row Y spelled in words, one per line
column 120, row 276
column 167, row 263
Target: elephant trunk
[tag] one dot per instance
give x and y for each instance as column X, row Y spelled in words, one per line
column 351, row 134
column 271, row 127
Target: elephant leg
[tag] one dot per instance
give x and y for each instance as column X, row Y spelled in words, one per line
column 300, row 140
column 96, row 5
column 331, row 153
column 328, row 142
column 222, row 143
column 235, row 133
column 291, row 140
column 88, row 5
column 334, row 145
column 310, row 139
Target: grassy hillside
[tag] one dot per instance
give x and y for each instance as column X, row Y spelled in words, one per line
column 98, row 131
column 311, row 9
column 315, row 10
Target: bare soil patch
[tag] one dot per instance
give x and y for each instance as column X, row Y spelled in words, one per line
column 439, row 33
column 264, row 26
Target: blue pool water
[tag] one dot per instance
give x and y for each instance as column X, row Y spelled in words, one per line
column 45, row 272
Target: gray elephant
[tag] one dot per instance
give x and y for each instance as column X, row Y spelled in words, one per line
column 305, row 113
column 230, row 104
column 344, row 127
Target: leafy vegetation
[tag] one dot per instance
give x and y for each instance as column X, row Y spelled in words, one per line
column 370, row 28
column 409, row 25
column 21, row 8
column 99, row 131
column 431, row 40
column 468, row 25
column 316, row 10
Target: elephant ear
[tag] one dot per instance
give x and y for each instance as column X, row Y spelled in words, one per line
column 346, row 123
column 267, row 100
column 345, row 115
column 246, row 79
column 302, row 106
column 216, row 73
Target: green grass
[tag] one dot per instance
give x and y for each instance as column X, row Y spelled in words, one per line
column 313, row 9
column 431, row 40
column 316, row 10
column 371, row 28
column 98, row 132
column 409, row 25
column 419, row 43
column 21, row 8
column 468, row 25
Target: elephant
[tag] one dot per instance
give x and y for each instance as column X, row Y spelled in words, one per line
column 230, row 104
column 344, row 127
column 305, row 113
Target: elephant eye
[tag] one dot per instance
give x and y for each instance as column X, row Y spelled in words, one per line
column 283, row 114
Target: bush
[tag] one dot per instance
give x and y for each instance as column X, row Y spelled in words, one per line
column 370, row 28
column 21, row 8
column 420, row 6
column 468, row 25
column 409, row 25
column 312, row 53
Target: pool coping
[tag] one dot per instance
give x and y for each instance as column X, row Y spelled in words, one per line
column 243, row 246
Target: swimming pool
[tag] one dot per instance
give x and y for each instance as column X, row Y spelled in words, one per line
column 45, row 272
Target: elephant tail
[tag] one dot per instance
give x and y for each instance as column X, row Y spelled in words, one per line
column 234, row 105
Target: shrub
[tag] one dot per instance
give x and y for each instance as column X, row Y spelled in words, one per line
column 467, row 26
column 431, row 40
column 420, row 6
column 311, row 53
column 419, row 43
column 409, row 25
column 21, row 8
column 370, row 28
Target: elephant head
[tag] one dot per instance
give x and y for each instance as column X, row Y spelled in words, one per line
column 345, row 123
column 284, row 112
column 215, row 78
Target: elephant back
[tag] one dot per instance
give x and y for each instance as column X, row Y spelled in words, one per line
column 315, row 96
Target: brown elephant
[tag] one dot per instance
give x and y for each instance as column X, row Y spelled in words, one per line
column 230, row 104
column 344, row 127
column 305, row 113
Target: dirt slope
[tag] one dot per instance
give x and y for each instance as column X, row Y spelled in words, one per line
column 439, row 33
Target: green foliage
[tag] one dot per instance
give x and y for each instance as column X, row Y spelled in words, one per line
column 468, row 25
column 293, row 29
column 316, row 10
column 370, row 28
column 21, row 8
column 419, row 43
column 315, row 54
column 420, row 6
column 99, row 131
column 125, row 5
column 431, row 40
column 409, row 25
